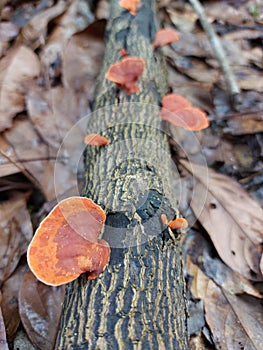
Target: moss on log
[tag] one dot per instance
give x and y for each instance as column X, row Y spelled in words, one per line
column 139, row 300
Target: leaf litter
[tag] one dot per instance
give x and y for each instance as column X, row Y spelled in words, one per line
column 51, row 53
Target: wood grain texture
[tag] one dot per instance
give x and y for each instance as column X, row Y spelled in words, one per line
column 139, row 300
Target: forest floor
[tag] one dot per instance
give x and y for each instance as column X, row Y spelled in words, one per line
column 50, row 56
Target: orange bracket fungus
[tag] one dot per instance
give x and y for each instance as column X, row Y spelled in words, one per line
column 180, row 112
column 126, row 72
column 130, row 5
column 96, row 140
column 123, row 52
column 164, row 37
column 178, row 224
column 66, row 243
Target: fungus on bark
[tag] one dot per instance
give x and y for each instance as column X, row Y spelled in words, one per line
column 165, row 37
column 130, row 5
column 96, row 140
column 126, row 72
column 123, row 52
column 178, row 224
column 180, row 112
column 66, row 243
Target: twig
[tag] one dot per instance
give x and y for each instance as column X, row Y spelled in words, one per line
column 27, row 174
column 219, row 52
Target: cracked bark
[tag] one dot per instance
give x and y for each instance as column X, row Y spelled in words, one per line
column 139, row 300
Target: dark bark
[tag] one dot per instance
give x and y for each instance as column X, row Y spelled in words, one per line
column 139, row 300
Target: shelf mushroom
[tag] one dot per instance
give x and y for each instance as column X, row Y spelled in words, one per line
column 126, row 72
column 178, row 224
column 165, row 37
column 66, row 243
column 96, row 140
column 180, row 112
column 130, row 5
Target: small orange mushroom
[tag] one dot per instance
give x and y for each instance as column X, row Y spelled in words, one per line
column 123, row 52
column 164, row 219
column 178, row 223
column 66, row 243
column 96, row 140
column 126, row 72
column 164, row 37
column 130, row 5
column 180, row 112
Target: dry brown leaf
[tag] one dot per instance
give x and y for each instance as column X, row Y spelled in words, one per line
column 41, row 158
column 228, row 14
column 102, row 9
column 198, row 342
column 246, row 123
column 34, row 32
column 8, row 31
column 200, row 280
column 248, row 78
column 191, row 44
column 200, row 254
column 9, row 304
column 232, row 218
column 40, row 308
column 196, row 69
column 7, row 168
column 3, row 342
column 75, row 19
column 217, row 149
column 196, row 320
column 236, row 322
column 82, row 59
column 184, row 19
column 53, row 113
column 19, row 66
column 15, row 233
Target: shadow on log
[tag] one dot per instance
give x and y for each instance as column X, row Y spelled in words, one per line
column 139, row 300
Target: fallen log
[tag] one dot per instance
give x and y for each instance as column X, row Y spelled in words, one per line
column 139, row 301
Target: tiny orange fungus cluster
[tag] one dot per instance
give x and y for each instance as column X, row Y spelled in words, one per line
column 165, row 37
column 126, row 72
column 66, row 243
column 178, row 224
column 130, row 5
column 164, row 219
column 180, row 112
column 123, row 52
column 96, row 140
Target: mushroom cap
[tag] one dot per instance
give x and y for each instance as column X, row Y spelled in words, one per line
column 180, row 112
column 123, row 52
column 130, row 5
column 164, row 37
column 66, row 243
column 178, row 223
column 96, row 140
column 126, row 72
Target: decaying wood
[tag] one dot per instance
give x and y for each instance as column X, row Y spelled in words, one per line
column 139, row 300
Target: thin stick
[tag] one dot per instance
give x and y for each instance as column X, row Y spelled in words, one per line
column 23, row 171
column 218, row 50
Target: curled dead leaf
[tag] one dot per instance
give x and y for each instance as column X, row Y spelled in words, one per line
column 15, row 233
column 34, row 32
column 45, row 303
column 235, row 321
column 201, row 254
column 19, row 66
column 232, row 218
